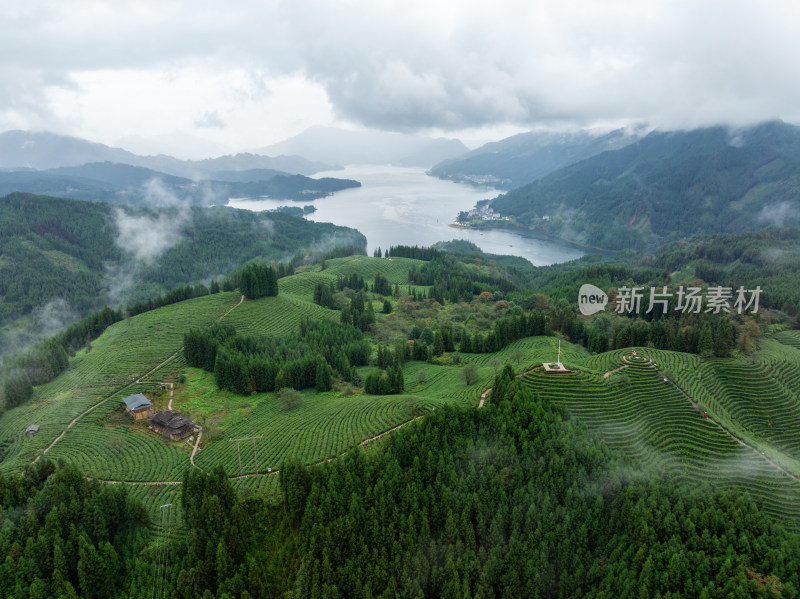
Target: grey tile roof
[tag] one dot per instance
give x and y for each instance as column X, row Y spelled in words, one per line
column 137, row 402
column 171, row 419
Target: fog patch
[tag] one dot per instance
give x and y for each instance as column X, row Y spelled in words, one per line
column 120, row 280
column 144, row 235
column 338, row 239
column 267, row 225
column 779, row 214
column 54, row 316
column 736, row 138
column 212, row 194
column 23, row 333
column 773, row 255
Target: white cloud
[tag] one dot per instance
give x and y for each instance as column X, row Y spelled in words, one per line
column 210, row 120
column 268, row 70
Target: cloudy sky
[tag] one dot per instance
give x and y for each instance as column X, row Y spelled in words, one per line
column 206, row 77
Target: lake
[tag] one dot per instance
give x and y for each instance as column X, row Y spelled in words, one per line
column 399, row 205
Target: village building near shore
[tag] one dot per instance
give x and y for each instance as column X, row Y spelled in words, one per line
column 172, row 424
column 138, row 406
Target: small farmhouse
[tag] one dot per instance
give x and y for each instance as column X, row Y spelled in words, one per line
column 138, row 406
column 32, row 429
column 172, row 424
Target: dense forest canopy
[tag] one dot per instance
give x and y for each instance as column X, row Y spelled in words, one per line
column 90, row 254
column 485, row 490
column 667, row 186
column 514, row 499
column 520, row 159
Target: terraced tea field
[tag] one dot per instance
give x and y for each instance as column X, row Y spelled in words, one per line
column 154, row 496
column 127, row 350
column 323, row 426
column 302, row 284
column 790, row 338
column 276, row 316
column 759, row 398
column 654, row 425
column 394, row 269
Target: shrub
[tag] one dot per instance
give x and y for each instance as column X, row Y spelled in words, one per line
column 289, row 398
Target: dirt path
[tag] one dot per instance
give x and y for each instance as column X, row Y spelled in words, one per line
column 195, row 448
column 384, row 433
column 171, row 393
column 241, row 299
column 363, row 443
column 271, row 472
column 78, row 417
column 172, row 357
column 330, row 459
column 483, row 397
column 610, row 372
column 121, row 389
column 139, row 482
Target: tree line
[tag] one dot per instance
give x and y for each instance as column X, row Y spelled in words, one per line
column 245, row 364
column 39, row 229
column 66, row 536
column 47, row 359
column 516, row 500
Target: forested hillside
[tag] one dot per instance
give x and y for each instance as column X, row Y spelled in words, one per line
column 769, row 258
column 520, row 159
column 514, row 499
column 124, row 184
column 377, row 461
column 517, row 500
column 667, row 186
column 89, row 254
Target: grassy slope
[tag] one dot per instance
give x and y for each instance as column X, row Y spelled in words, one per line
column 655, row 426
column 126, row 351
column 649, row 421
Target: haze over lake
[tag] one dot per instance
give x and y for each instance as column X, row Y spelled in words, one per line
column 399, row 205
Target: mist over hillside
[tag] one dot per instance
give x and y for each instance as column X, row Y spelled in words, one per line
column 70, row 257
column 520, row 159
column 666, row 186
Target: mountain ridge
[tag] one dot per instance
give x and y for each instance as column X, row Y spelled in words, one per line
column 666, row 186
column 525, row 157
column 118, row 183
column 332, row 144
column 45, row 150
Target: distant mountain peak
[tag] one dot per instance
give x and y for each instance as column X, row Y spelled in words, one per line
column 344, row 146
column 44, row 150
column 526, row 157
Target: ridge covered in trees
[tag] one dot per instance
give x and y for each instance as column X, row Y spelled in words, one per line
column 513, row 499
column 131, row 185
column 245, row 364
column 70, row 249
column 667, row 186
column 517, row 500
